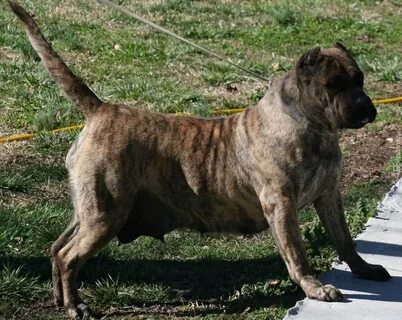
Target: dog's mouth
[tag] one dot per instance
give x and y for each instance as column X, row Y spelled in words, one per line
column 353, row 124
column 361, row 123
column 365, row 121
column 370, row 116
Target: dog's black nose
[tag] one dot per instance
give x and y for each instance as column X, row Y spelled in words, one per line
column 363, row 100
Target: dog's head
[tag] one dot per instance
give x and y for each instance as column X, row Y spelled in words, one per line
column 331, row 85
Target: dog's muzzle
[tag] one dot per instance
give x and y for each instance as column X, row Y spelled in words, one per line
column 361, row 111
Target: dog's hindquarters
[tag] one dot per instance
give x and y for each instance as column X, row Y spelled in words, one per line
column 101, row 211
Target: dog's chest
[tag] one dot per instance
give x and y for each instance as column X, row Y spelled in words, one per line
column 318, row 168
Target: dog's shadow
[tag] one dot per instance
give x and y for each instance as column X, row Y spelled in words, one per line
column 208, row 281
column 212, row 282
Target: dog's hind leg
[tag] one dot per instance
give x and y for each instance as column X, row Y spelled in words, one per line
column 93, row 234
column 63, row 239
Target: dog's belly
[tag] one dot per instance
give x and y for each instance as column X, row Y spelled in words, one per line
column 152, row 216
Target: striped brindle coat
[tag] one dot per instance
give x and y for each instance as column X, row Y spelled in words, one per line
column 133, row 172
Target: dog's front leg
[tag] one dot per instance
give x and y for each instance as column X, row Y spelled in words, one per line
column 281, row 215
column 330, row 209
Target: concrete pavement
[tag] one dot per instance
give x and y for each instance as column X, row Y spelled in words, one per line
column 380, row 243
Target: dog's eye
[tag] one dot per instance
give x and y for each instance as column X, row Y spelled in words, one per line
column 336, row 83
column 358, row 78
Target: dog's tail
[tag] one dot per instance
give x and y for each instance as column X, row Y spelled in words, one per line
column 69, row 83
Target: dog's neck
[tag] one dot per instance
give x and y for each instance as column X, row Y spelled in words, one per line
column 285, row 94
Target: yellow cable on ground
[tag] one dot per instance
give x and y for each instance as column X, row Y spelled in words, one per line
column 27, row 136
column 226, row 111
column 18, row 137
column 390, row 100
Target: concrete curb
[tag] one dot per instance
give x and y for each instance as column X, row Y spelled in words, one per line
column 380, row 243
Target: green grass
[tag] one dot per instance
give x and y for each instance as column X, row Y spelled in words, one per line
column 188, row 276
column 395, row 164
column 17, row 182
column 17, row 287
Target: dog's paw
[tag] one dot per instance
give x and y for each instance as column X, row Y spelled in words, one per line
column 314, row 289
column 326, row 293
column 373, row 272
column 81, row 311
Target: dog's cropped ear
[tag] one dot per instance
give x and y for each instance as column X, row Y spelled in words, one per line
column 341, row 46
column 307, row 63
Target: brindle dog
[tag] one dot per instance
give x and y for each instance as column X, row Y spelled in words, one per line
column 134, row 172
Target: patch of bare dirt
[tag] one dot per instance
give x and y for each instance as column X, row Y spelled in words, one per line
column 13, row 153
column 161, row 310
column 385, row 89
column 8, row 55
column 195, row 308
column 234, row 90
column 366, row 154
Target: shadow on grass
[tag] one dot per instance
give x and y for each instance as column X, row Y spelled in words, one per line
column 209, row 282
